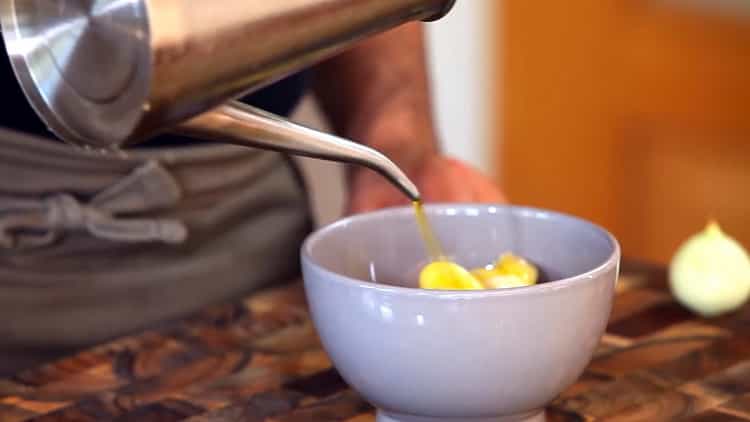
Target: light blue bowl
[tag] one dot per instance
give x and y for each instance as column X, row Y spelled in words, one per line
column 439, row 356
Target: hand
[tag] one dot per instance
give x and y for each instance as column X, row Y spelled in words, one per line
column 439, row 179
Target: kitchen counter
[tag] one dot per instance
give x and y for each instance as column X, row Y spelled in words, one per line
column 260, row 360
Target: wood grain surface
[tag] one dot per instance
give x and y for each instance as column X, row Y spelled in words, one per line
column 260, row 360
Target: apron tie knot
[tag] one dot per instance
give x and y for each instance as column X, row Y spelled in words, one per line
column 30, row 223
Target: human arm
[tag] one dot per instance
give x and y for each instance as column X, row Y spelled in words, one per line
column 378, row 93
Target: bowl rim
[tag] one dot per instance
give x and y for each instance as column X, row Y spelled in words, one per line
column 613, row 260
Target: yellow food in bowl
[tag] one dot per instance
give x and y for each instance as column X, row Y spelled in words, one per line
column 508, row 271
column 447, row 275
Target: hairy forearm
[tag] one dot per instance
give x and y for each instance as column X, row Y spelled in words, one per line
column 377, row 93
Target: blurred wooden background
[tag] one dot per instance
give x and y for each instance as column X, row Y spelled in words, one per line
column 633, row 113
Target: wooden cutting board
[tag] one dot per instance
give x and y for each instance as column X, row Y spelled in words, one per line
column 260, row 360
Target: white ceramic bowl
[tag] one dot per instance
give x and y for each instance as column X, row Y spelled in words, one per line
column 438, row 356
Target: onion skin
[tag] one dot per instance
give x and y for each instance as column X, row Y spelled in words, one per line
column 710, row 273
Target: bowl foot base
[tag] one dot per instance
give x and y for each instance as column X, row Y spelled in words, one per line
column 534, row 416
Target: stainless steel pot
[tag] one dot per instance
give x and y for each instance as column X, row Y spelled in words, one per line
column 111, row 73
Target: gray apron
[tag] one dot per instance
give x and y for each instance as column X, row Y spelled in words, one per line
column 96, row 246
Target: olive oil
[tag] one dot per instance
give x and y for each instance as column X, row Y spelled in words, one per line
column 434, row 250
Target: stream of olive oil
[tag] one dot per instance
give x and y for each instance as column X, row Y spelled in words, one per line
column 434, row 250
